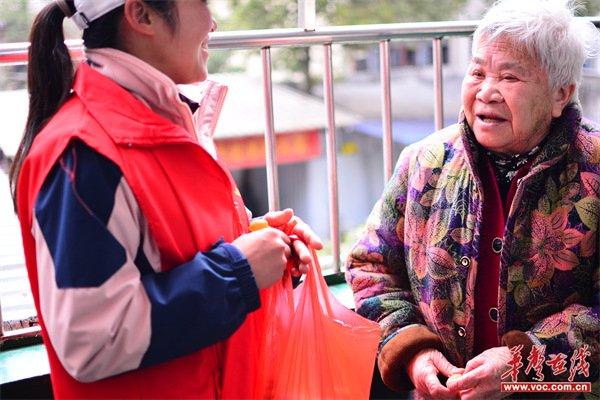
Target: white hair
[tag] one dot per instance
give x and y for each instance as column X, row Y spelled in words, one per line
column 550, row 33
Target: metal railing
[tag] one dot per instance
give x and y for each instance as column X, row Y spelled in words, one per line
column 16, row 53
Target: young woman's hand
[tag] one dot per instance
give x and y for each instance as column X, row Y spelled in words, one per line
column 300, row 234
column 267, row 251
column 423, row 370
column 481, row 378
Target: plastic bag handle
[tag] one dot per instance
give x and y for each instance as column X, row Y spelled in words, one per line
column 316, row 283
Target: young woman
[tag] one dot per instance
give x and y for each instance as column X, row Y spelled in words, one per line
column 135, row 236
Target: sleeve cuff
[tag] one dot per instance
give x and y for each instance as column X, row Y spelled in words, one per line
column 515, row 338
column 245, row 277
column 398, row 351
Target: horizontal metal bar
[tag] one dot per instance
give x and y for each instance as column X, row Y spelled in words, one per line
column 339, row 34
column 346, row 34
column 21, row 333
column 11, row 53
column 17, row 53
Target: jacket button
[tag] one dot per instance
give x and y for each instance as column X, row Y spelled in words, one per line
column 465, row 261
column 494, row 314
column 497, row 245
column 461, row 331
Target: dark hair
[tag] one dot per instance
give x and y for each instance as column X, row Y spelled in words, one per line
column 50, row 69
column 103, row 32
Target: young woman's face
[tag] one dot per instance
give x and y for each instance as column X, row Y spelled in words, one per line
column 185, row 51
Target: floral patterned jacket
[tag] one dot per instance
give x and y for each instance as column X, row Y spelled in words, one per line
column 415, row 266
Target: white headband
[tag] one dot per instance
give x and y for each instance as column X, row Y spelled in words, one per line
column 90, row 10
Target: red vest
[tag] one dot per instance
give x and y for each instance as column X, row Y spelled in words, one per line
column 188, row 199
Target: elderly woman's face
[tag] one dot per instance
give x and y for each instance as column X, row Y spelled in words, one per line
column 507, row 99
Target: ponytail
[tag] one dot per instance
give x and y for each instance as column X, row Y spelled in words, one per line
column 50, row 70
column 49, row 79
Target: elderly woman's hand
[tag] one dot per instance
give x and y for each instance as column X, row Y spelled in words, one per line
column 300, row 233
column 423, row 370
column 481, row 378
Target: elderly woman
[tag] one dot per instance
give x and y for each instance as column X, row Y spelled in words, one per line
column 486, row 237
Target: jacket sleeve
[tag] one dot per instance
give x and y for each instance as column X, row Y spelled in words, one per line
column 376, row 272
column 106, row 305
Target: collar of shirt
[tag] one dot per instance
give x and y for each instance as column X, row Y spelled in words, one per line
column 149, row 85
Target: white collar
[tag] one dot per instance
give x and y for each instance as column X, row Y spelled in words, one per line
column 148, row 84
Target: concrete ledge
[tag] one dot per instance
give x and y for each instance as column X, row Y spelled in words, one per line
column 23, row 363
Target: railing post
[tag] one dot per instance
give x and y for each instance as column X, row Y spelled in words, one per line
column 438, row 78
column 1, row 325
column 307, row 14
column 386, row 108
column 332, row 183
column 270, row 144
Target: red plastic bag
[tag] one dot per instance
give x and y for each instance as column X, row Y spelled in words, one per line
column 311, row 346
column 330, row 351
column 252, row 351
